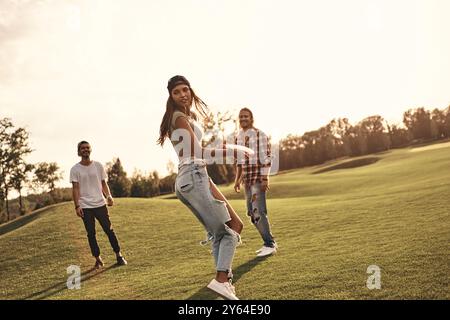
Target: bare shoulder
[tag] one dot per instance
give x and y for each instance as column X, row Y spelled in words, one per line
column 176, row 116
column 182, row 122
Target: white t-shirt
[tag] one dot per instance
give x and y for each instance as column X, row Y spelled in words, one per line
column 90, row 180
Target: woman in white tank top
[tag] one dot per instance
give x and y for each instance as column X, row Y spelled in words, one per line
column 194, row 187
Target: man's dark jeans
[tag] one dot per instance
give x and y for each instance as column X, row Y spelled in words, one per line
column 102, row 215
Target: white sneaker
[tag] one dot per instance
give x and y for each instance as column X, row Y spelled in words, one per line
column 232, row 287
column 259, row 250
column 266, row 251
column 224, row 289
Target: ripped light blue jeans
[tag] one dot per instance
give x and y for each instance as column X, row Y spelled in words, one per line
column 193, row 189
column 257, row 211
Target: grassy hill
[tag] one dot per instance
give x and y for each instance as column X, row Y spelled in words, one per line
column 331, row 222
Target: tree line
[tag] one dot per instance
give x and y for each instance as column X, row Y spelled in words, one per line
column 371, row 135
column 337, row 139
column 139, row 185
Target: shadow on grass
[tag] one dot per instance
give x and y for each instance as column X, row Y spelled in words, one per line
column 20, row 222
column 349, row 164
column 206, row 294
column 61, row 286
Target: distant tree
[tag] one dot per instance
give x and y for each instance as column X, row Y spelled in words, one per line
column 6, row 161
column 20, row 178
column 13, row 150
column 357, row 141
column 46, row 175
column 400, row 137
column 319, row 146
column 418, row 121
column 144, row 186
column 291, row 152
column 155, row 183
column 447, row 122
column 434, row 129
column 438, row 118
column 117, row 179
column 376, row 131
column 167, row 184
column 140, row 186
column 331, row 140
column 230, row 172
column 218, row 126
column 218, row 173
column 2, row 198
column 339, row 128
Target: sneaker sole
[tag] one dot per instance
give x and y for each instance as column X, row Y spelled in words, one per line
column 259, row 250
column 223, row 296
column 266, row 255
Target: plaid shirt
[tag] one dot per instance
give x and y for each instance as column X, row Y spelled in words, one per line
column 256, row 167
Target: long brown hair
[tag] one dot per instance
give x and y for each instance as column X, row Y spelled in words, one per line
column 164, row 129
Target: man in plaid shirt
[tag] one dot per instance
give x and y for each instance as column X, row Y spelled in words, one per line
column 253, row 172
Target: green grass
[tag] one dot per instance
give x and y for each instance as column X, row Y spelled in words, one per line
column 330, row 227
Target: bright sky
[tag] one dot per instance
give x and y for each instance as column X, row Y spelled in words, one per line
column 98, row 69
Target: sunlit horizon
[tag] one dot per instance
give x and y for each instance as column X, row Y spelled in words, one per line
column 97, row 70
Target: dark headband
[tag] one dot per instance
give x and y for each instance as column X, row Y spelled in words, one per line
column 176, row 80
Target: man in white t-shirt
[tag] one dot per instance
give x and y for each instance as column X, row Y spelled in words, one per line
column 89, row 189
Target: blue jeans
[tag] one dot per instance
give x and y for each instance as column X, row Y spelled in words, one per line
column 257, row 211
column 193, row 189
